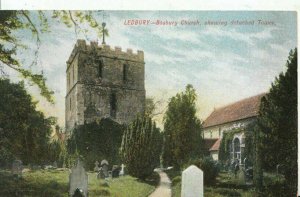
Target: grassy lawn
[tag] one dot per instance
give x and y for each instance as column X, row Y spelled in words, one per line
column 53, row 183
column 226, row 185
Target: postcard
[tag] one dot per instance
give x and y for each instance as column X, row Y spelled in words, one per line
column 148, row 103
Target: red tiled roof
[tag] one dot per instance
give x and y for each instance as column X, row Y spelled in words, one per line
column 209, row 143
column 216, row 145
column 242, row 109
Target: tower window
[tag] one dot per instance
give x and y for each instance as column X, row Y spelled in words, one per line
column 100, row 69
column 73, row 74
column 69, row 80
column 113, row 105
column 125, row 72
column 70, row 104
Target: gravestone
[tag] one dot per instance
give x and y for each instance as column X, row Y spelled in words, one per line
column 192, row 182
column 115, row 171
column 17, row 168
column 104, row 167
column 122, row 170
column 78, row 180
column 54, row 164
column 96, row 168
column 100, row 174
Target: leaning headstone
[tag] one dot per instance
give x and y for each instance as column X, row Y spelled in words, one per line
column 96, row 168
column 192, row 182
column 17, row 168
column 78, row 180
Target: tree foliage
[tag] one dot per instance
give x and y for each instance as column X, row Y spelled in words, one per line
column 96, row 141
column 36, row 23
column 141, row 147
column 277, row 124
column 182, row 129
column 24, row 131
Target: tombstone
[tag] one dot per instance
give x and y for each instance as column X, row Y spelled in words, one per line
column 115, row 171
column 78, row 180
column 246, row 162
column 17, row 168
column 100, row 174
column 96, row 168
column 278, row 169
column 192, row 182
column 249, row 173
column 104, row 166
column 36, row 167
column 54, row 164
column 122, row 170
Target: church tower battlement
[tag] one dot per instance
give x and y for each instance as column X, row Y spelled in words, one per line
column 103, row 83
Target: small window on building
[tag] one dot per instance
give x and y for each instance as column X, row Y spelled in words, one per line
column 113, row 105
column 100, row 69
column 69, row 80
column 125, row 72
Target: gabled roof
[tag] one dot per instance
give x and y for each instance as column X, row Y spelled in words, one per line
column 242, row 109
column 216, row 145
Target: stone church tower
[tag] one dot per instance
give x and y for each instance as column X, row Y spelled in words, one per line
column 103, row 83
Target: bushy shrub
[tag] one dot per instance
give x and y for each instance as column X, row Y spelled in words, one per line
column 141, row 147
column 209, row 168
column 275, row 186
column 96, row 141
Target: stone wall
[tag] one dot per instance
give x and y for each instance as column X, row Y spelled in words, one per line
column 99, row 79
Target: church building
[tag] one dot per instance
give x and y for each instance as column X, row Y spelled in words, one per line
column 225, row 119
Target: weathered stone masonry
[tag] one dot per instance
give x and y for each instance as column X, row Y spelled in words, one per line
column 103, row 82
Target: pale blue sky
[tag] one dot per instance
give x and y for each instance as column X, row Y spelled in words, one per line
column 223, row 63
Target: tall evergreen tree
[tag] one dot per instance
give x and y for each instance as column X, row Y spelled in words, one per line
column 277, row 125
column 182, row 129
column 141, row 147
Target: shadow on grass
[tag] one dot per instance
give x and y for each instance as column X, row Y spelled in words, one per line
column 13, row 186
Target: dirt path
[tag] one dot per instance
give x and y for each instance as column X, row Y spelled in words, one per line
column 164, row 188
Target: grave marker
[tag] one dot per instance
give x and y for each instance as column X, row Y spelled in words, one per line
column 78, row 179
column 17, row 168
column 192, row 182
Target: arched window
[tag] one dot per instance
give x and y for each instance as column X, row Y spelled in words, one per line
column 125, row 72
column 237, row 149
column 100, row 69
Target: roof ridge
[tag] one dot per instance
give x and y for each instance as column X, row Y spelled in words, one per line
column 241, row 109
column 239, row 101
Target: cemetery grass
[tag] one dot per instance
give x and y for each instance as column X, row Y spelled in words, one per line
column 226, row 185
column 50, row 183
